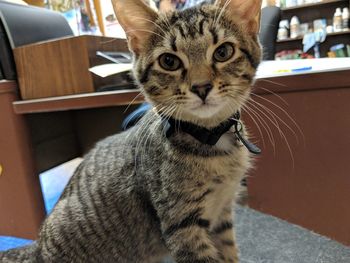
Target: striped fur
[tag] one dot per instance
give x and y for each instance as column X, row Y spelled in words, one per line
column 138, row 196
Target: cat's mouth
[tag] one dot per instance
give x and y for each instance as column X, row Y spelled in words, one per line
column 204, row 105
column 205, row 109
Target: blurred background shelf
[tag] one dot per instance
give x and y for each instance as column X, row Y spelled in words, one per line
column 324, row 2
column 307, row 13
column 328, row 35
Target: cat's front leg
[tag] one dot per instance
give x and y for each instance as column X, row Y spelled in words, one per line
column 224, row 237
column 186, row 235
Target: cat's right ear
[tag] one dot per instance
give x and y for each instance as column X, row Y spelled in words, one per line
column 137, row 20
column 249, row 12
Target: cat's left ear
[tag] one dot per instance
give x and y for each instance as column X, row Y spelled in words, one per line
column 249, row 11
column 137, row 20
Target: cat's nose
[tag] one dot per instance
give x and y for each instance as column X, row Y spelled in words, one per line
column 202, row 90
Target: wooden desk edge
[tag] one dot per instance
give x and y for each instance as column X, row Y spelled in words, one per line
column 8, row 86
column 287, row 83
column 79, row 101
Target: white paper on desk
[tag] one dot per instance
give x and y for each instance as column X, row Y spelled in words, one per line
column 268, row 69
column 106, row 70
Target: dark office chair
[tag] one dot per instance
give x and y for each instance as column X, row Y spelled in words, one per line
column 21, row 25
column 270, row 19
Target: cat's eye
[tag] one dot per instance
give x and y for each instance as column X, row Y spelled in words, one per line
column 169, row 62
column 224, row 52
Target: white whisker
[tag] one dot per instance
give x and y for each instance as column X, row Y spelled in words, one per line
column 223, row 9
column 285, row 112
column 266, row 127
column 273, row 82
column 145, row 19
column 148, row 31
column 279, row 118
column 272, row 93
column 250, row 114
column 132, row 102
column 272, row 114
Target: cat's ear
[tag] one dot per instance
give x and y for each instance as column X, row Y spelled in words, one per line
column 248, row 11
column 137, row 20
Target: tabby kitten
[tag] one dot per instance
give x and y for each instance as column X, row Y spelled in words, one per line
column 161, row 188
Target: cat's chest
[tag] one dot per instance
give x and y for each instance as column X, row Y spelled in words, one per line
column 224, row 187
column 225, row 169
column 221, row 197
column 222, row 177
column 217, row 177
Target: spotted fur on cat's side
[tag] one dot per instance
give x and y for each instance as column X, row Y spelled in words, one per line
column 139, row 196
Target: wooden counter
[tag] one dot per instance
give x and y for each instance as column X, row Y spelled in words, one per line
column 21, row 203
column 304, row 178
column 79, row 101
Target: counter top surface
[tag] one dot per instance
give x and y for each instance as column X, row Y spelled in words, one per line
column 281, row 68
column 272, row 76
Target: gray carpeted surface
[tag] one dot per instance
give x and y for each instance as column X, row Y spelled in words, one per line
column 266, row 239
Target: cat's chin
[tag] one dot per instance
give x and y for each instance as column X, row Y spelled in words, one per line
column 206, row 115
column 205, row 111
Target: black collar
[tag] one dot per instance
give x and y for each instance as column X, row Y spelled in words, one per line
column 212, row 136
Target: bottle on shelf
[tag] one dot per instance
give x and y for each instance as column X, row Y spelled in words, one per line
column 345, row 19
column 283, row 30
column 294, row 27
column 337, row 20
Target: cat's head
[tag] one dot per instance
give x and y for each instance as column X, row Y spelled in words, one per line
column 198, row 64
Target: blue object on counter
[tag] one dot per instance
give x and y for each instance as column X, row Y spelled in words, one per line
column 336, row 47
column 301, row 69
